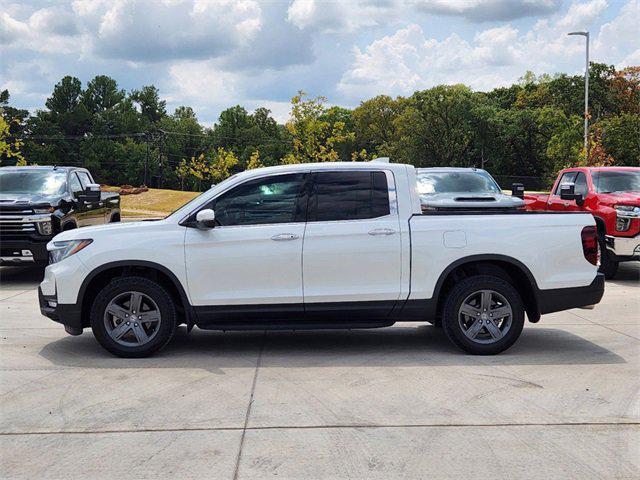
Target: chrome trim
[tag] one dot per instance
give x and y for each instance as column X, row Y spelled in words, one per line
column 623, row 246
column 44, row 217
column 17, row 259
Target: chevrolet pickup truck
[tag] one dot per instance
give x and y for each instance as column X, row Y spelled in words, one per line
column 331, row 245
column 612, row 196
column 36, row 203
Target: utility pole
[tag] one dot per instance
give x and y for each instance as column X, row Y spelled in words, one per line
column 586, row 93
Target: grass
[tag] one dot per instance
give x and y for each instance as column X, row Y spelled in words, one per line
column 154, row 203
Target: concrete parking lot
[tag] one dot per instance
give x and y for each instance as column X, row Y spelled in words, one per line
column 391, row 403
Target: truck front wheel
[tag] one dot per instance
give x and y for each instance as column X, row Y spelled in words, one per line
column 133, row 317
column 483, row 315
column 608, row 265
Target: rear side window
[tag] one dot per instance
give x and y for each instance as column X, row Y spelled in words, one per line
column 348, row 196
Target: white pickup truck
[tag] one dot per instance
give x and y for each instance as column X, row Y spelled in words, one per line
column 332, row 245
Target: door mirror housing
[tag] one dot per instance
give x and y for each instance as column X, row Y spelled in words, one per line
column 206, row 218
column 568, row 192
column 517, row 190
column 91, row 193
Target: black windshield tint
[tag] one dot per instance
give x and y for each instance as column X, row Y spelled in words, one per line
column 35, row 182
column 617, row 181
column 430, row 183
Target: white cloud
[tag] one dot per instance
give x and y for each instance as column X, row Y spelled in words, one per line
column 407, row 60
column 200, row 82
column 348, row 16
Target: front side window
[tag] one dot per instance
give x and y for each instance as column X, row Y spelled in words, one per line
column 349, row 196
column 275, row 199
column 568, row 177
column 74, row 184
column 84, row 178
column 581, row 186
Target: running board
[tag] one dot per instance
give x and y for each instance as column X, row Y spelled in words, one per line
column 294, row 325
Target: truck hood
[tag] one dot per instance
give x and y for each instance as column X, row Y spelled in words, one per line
column 144, row 227
column 470, row 200
column 620, row 198
column 21, row 200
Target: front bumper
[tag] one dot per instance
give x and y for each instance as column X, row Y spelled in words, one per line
column 623, row 246
column 558, row 299
column 70, row 315
column 12, row 252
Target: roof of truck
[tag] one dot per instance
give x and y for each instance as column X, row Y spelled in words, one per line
column 449, row 169
column 41, row 167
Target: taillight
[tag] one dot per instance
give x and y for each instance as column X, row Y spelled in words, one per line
column 590, row 246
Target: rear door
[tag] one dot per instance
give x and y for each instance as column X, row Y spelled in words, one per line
column 352, row 250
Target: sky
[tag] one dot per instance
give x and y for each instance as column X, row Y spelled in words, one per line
column 214, row 54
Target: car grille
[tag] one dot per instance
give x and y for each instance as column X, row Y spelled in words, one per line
column 12, row 226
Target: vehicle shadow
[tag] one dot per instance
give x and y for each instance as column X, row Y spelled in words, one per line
column 388, row 347
column 20, row 278
column 628, row 274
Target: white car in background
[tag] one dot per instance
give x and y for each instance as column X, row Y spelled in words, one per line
column 454, row 188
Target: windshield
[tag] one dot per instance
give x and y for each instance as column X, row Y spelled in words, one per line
column 617, row 181
column 187, row 206
column 34, row 182
column 430, row 183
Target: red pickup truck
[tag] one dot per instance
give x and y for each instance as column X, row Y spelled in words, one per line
column 612, row 196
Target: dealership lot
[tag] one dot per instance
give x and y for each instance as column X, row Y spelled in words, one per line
column 387, row 403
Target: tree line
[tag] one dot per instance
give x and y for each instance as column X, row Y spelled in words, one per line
column 530, row 129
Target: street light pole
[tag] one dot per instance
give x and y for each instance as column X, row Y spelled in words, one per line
column 586, row 93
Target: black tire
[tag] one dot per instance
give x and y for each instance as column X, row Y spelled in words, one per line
column 157, row 293
column 608, row 266
column 461, row 291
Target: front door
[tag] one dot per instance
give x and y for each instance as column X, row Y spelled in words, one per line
column 83, row 209
column 352, row 244
column 556, row 203
column 251, row 261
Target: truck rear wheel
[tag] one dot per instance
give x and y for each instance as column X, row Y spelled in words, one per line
column 483, row 315
column 133, row 317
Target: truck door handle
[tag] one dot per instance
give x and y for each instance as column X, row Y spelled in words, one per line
column 284, row 236
column 382, row 231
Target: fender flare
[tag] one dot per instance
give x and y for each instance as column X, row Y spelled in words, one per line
column 189, row 311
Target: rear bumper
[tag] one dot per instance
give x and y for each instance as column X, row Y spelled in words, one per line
column 11, row 252
column 69, row 315
column 558, row 299
column 624, row 246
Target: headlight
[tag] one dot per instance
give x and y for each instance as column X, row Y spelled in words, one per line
column 43, row 210
column 624, row 215
column 45, row 228
column 58, row 251
column 627, row 211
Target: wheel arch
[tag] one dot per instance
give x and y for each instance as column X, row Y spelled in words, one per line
column 501, row 266
column 103, row 274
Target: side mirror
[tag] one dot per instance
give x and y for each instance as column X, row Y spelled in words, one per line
column 568, row 192
column 91, row 193
column 517, row 190
column 206, row 218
